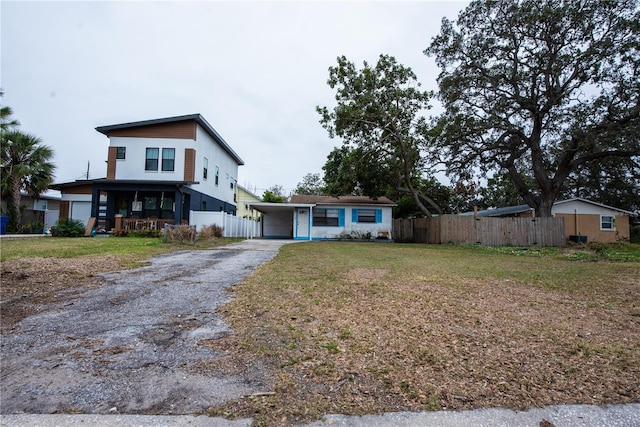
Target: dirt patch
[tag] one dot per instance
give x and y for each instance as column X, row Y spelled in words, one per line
column 75, row 341
column 29, row 285
column 364, row 340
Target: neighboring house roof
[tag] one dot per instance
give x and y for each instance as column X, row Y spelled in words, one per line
column 340, row 200
column 579, row 199
column 240, row 187
column 196, row 117
column 82, row 182
column 509, row 210
column 512, row 210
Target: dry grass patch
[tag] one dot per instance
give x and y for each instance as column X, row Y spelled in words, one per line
column 359, row 328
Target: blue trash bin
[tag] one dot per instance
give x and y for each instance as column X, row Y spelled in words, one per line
column 4, row 220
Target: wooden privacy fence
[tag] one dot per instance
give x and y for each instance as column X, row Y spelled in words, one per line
column 487, row 231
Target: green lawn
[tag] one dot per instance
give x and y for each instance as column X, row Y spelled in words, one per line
column 357, row 328
column 367, row 327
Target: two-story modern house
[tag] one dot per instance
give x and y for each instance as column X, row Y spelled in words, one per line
column 160, row 170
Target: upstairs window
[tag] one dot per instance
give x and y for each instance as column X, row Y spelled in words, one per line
column 217, row 175
column 205, row 168
column 607, row 223
column 168, row 159
column 121, row 153
column 151, row 159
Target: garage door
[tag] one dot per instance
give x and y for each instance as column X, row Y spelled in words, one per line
column 81, row 211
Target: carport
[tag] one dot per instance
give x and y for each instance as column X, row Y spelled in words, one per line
column 285, row 220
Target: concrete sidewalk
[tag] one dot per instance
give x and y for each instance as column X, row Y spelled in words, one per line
column 627, row 415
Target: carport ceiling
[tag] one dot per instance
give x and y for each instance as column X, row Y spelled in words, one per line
column 277, row 207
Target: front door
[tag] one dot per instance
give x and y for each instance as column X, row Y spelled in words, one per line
column 302, row 224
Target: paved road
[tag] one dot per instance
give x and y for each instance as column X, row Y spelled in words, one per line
column 133, row 343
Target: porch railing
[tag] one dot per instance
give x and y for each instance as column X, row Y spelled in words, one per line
column 145, row 223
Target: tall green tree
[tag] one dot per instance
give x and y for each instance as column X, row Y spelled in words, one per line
column 380, row 117
column 539, row 88
column 357, row 171
column 614, row 182
column 6, row 121
column 311, row 184
column 274, row 194
column 25, row 166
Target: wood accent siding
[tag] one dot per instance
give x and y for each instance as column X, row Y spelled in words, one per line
column 111, row 162
column 176, row 130
column 64, row 209
column 189, row 164
column 80, row 189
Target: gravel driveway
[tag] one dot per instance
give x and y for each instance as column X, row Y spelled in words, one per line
column 132, row 345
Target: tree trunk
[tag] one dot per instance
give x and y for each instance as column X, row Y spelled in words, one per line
column 15, row 215
column 544, row 205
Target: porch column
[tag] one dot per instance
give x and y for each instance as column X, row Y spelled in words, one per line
column 95, row 201
column 177, row 215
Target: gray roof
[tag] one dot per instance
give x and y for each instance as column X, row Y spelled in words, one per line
column 196, row 117
column 509, row 210
column 340, row 200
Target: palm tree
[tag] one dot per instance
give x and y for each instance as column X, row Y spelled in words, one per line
column 25, row 166
column 6, row 123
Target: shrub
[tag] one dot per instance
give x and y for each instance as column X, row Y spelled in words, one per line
column 209, row 231
column 180, row 233
column 68, row 228
column 635, row 234
column 146, row 232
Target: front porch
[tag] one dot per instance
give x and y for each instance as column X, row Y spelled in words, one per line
column 135, row 223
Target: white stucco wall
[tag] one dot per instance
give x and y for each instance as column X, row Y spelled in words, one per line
column 133, row 166
column 577, row 206
column 205, row 146
column 381, row 228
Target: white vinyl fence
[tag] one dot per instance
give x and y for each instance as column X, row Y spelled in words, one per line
column 233, row 226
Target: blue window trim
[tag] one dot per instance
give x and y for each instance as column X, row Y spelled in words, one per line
column 354, row 216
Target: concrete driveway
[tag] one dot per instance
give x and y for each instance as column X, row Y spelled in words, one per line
column 132, row 345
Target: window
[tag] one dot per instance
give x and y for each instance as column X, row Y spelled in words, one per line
column 231, row 183
column 121, row 153
column 217, row 175
column 607, row 223
column 151, row 159
column 326, row 217
column 205, row 168
column 168, row 159
column 366, row 215
column 39, row 205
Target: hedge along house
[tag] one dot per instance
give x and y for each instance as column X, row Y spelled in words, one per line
column 160, row 170
column 326, row 218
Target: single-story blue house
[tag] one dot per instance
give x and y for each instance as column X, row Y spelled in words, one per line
column 326, row 218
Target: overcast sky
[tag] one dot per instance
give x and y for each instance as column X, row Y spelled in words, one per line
column 254, row 70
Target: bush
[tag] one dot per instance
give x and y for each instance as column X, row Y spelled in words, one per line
column 209, row 231
column 180, row 234
column 635, row 234
column 146, row 232
column 68, row 228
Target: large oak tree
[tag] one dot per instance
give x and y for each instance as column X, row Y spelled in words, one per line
column 539, row 88
column 380, row 117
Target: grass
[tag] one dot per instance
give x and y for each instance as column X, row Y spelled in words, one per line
column 358, row 328
column 137, row 248
column 361, row 328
